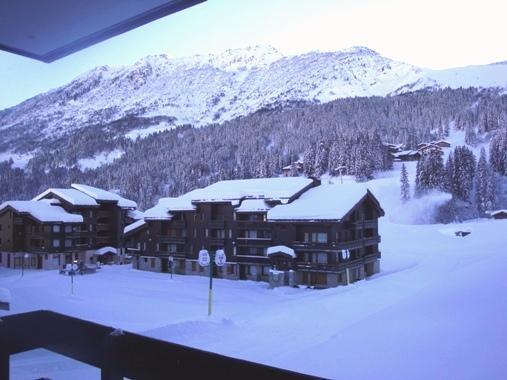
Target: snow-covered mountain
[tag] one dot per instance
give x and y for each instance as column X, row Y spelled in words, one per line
column 210, row 88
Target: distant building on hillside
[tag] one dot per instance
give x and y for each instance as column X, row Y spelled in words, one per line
column 61, row 225
column 287, row 231
column 297, row 166
column 498, row 214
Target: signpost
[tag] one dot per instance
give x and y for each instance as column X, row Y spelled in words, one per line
column 71, row 269
column 205, row 260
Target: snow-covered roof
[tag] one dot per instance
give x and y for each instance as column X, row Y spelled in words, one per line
column 104, row 250
column 72, row 196
column 405, row 153
column 324, row 202
column 281, row 248
column 253, row 205
column 104, row 196
column 257, row 188
column 135, row 214
column 165, row 205
column 5, row 295
column 43, row 211
column 134, row 226
column 497, row 212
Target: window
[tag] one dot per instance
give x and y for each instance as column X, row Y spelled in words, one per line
column 251, row 234
column 230, row 269
column 56, row 228
column 68, row 229
column 315, row 237
column 56, row 243
column 172, row 248
column 68, row 243
column 322, row 258
column 220, row 234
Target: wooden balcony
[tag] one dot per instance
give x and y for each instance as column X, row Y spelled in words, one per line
column 215, row 241
column 215, row 224
column 179, row 224
column 171, row 239
column 252, row 225
column 251, row 242
column 365, row 224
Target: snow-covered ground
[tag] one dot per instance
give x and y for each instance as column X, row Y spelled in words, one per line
column 100, row 159
column 436, row 310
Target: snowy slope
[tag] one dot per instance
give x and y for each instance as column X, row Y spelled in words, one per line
column 494, row 75
column 212, row 88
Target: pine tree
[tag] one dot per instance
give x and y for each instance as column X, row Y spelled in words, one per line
column 405, row 185
column 309, row 161
column 484, row 185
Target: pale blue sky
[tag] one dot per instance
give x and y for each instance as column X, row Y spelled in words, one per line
column 429, row 33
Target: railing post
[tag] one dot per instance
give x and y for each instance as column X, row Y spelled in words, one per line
column 110, row 369
column 4, row 365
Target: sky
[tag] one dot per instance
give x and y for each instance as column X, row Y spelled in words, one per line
column 428, row 33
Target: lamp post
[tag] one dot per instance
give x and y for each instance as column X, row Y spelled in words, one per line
column 171, row 263
column 25, row 256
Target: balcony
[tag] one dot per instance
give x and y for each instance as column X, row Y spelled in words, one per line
column 252, row 224
column 370, row 223
column 104, row 227
column 215, row 224
column 171, row 239
column 253, row 242
column 180, row 224
column 215, row 241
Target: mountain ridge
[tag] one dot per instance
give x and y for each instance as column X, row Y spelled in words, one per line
column 213, row 88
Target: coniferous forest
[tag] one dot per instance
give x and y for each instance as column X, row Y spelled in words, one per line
column 346, row 134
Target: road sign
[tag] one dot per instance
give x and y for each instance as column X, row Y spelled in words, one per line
column 74, row 266
column 220, row 258
column 204, row 259
column 68, row 266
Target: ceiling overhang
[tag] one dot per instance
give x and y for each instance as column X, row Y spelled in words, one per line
column 47, row 30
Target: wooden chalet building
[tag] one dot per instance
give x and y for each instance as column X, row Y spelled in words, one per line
column 61, row 225
column 287, row 231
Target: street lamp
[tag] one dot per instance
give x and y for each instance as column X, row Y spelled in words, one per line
column 25, row 256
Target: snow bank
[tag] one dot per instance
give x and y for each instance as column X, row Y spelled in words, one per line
column 5, row 295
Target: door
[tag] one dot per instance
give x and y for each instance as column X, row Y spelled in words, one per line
column 242, row 272
column 165, row 265
column 8, row 260
column 39, row 261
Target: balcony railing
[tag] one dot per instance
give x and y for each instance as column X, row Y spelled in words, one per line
column 215, row 224
column 171, row 239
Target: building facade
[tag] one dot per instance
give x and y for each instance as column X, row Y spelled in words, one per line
column 287, row 231
column 62, row 225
